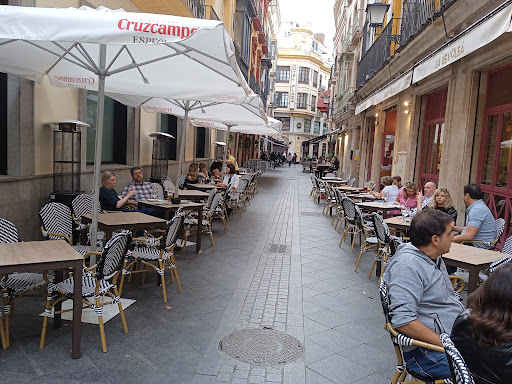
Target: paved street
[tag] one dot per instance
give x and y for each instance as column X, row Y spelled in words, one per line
column 278, row 266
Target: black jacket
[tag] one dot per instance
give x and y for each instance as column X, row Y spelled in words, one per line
column 492, row 365
column 451, row 211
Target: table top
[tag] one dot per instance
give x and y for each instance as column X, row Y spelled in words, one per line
column 378, row 205
column 126, row 218
column 364, row 196
column 397, row 221
column 36, row 252
column 349, row 189
column 168, row 205
column 334, row 181
column 202, row 186
column 472, row 255
column 193, row 192
column 333, row 178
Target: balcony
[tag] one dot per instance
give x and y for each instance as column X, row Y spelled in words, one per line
column 342, row 105
column 196, row 6
column 210, row 13
column 357, row 28
column 378, row 54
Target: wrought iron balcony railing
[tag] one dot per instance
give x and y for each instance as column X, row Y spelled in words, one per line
column 196, row 6
column 210, row 13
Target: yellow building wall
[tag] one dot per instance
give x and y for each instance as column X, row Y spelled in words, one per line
column 148, row 123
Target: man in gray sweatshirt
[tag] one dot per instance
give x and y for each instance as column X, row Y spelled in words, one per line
column 422, row 301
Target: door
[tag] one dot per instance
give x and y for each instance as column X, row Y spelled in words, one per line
column 388, row 144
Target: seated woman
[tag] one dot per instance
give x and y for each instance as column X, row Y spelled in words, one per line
column 407, row 198
column 483, row 333
column 389, row 193
column 231, row 179
column 192, row 176
column 109, row 199
column 442, row 201
column 335, row 164
column 203, row 172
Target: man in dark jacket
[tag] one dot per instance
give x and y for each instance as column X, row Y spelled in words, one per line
column 422, row 300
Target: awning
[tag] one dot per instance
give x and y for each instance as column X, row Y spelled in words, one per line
column 476, row 36
column 315, row 140
column 390, row 90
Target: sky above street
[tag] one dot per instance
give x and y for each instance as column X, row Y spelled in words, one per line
column 318, row 12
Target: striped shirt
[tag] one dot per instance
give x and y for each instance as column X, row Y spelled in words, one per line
column 142, row 191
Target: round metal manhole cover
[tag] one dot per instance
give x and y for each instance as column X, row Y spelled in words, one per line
column 262, row 346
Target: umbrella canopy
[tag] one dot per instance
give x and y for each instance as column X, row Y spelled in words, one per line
column 121, row 52
column 272, row 127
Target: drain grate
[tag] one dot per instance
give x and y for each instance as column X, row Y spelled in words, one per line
column 262, row 347
column 317, row 214
column 277, row 248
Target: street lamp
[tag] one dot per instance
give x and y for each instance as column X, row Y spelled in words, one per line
column 376, row 13
column 325, row 99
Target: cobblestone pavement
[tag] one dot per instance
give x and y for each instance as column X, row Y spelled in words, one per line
column 278, row 266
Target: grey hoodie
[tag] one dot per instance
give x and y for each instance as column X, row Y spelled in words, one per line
column 420, row 289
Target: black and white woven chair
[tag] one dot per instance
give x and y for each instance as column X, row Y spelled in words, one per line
column 500, row 228
column 494, row 265
column 168, row 186
column 192, row 223
column 157, row 191
column 99, row 281
column 461, row 373
column 58, row 225
column 400, row 340
column 83, row 205
column 14, row 285
column 157, row 253
column 181, row 181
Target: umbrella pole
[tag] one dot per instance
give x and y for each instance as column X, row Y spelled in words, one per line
column 226, row 152
column 181, row 154
column 98, row 148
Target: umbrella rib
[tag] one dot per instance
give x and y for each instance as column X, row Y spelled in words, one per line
column 131, row 66
column 212, row 69
column 189, row 48
column 55, row 54
column 84, row 53
column 91, row 68
column 176, row 102
column 9, row 41
column 115, row 57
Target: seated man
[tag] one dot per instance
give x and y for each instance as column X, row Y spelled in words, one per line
column 422, row 300
column 143, row 189
column 231, row 160
column 480, row 223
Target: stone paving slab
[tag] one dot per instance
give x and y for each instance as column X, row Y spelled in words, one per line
column 278, row 266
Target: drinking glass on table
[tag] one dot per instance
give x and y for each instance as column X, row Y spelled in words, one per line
column 406, row 214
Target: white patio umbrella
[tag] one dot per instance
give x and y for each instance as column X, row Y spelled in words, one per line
column 250, row 114
column 121, row 52
column 271, row 128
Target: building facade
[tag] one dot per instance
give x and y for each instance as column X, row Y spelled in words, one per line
column 434, row 97
column 302, row 74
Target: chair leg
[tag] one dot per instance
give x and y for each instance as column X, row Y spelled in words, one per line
column 162, row 278
column 2, row 333
column 47, row 312
column 99, row 312
column 359, row 258
column 121, row 311
column 174, row 272
column 353, row 242
column 7, row 308
column 210, row 233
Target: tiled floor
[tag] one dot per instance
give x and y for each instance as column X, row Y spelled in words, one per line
column 308, row 289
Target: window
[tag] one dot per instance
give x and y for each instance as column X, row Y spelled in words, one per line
column 281, row 100
column 285, row 121
column 201, row 142
column 320, row 82
column 115, row 118
column 283, row 74
column 242, row 31
column 169, row 124
column 3, row 124
column 315, row 79
column 324, row 130
column 316, row 128
column 302, row 100
column 313, row 103
column 307, row 125
column 304, row 75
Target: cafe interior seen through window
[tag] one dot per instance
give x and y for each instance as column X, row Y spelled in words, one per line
column 114, row 130
column 3, row 124
column 169, row 124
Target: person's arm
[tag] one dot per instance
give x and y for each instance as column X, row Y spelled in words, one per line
column 419, row 200
column 121, row 202
column 466, row 236
column 397, row 201
column 235, row 182
column 417, row 330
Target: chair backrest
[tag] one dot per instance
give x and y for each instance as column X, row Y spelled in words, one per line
column 157, row 191
column 329, row 174
column 381, row 228
column 112, row 257
column 500, row 227
column 83, row 204
column 8, row 232
column 215, row 203
column 507, row 247
column 394, row 243
column 168, row 185
column 352, row 182
column 173, row 229
column 212, row 193
column 181, row 181
column 457, row 363
column 497, row 263
column 400, row 339
column 56, row 218
column 349, row 208
column 242, row 184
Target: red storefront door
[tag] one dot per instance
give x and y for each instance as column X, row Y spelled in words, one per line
column 388, row 144
column 432, row 137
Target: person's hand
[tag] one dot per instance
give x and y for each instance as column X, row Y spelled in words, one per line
column 233, row 187
column 419, row 196
column 131, row 192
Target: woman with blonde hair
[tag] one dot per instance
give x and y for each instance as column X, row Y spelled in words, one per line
column 109, row 199
column 443, row 201
column 407, row 197
column 192, row 176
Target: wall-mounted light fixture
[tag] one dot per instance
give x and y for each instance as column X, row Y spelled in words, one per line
column 377, row 114
column 406, row 103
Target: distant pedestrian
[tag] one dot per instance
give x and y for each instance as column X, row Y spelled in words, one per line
column 294, row 158
column 289, row 158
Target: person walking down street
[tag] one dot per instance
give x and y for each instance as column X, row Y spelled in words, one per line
column 294, row 158
column 289, row 159
column 273, row 159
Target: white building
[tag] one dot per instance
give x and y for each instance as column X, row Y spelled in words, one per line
column 302, row 73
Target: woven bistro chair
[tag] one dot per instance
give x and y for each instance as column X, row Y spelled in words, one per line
column 157, row 253
column 157, row 191
column 460, row 371
column 379, row 242
column 58, row 225
column 500, row 228
column 83, row 205
column 98, row 281
column 168, row 186
column 221, row 210
column 181, row 181
column 191, row 223
column 400, row 340
column 355, row 224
